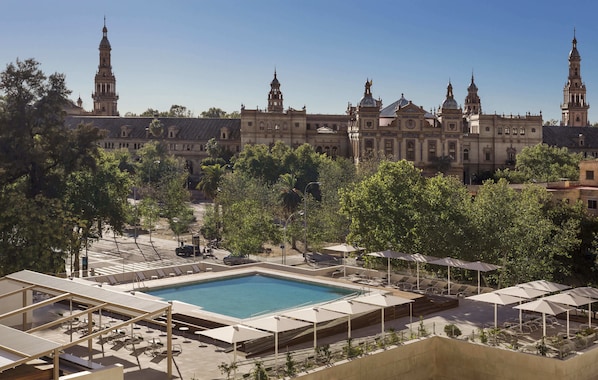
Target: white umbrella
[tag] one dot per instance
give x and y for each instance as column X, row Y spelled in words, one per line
column 349, row 307
column 417, row 258
column 570, row 299
column 450, row 262
column 276, row 324
column 545, row 307
column 545, row 285
column 314, row 315
column 384, row 301
column 234, row 334
column 587, row 291
column 480, row 267
column 389, row 255
column 496, row 299
column 523, row 293
column 344, row 249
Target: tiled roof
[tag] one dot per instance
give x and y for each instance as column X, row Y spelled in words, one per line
column 568, row 137
column 201, row 129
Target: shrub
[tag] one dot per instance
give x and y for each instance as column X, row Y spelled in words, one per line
column 451, row 330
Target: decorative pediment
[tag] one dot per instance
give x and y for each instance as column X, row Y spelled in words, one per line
column 173, row 132
column 325, row 129
column 125, row 131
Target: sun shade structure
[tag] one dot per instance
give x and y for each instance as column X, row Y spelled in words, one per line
column 349, row 307
column 587, row 291
column 496, row 299
column 18, row 347
column 417, row 258
column 314, row 315
column 523, row 293
column 570, row 299
column 480, row 267
column 276, row 324
column 235, row 334
column 386, row 300
column 388, row 254
column 548, row 286
column 450, row 262
column 544, row 307
column 344, row 249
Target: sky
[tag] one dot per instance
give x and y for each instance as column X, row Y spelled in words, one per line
column 223, row 53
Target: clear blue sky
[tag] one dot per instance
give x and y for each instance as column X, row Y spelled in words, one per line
column 223, row 53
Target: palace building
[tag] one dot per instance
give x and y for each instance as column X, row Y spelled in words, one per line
column 453, row 139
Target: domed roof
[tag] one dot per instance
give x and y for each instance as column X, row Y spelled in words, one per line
column 574, row 53
column 367, row 101
column 450, row 103
column 275, row 80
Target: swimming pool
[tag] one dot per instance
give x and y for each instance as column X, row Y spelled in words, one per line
column 251, row 295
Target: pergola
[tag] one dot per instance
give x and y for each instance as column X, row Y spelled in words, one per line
column 18, row 347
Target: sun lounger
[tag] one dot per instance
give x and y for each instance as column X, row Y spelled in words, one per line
column 195, row 268
column 177, row 270
column 161, row 273
column 112, row 280
column 140, row 276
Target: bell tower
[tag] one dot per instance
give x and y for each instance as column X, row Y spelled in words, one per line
column 105, row 97
column 275, row 96
column 473, row 105
column 574, row 110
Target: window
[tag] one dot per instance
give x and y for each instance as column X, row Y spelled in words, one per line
column 296, row 125
column 452, row 148
column 388, row 147
column 533, row 130
column 506, row 131
column 431, row 150
column 487, row 129
column 369, row 146
column 262, row 126
column 592, row 204
column 368, row 124
column 499, row 130
column 589, row 174
column 514, row 131
column 522, row 131
column 410, row 150
column 466, row 154
column 487, row 155
column 249, row 123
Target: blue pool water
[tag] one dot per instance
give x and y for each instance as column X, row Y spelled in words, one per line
column 246, row 296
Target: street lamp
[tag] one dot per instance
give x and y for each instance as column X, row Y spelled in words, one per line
column 305, row 209
column 284, row 239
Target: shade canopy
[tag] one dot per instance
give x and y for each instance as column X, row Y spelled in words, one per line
column 386, row 300
column 571, row 299
column 450, row 262
column 417, row 258
column 585, row 291
column 521, row 291
column 276, row 324
column 545, row 285
column 314, row 315
column 349, row 307
column 479, row 266
column 234, row 334
column 388, row 254
column 544, row 306
column 496, row 299
column 343, row 248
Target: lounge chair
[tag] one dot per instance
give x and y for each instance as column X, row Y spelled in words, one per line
column 112, row 280
column 140, row 276
column 161, row 273
column 195, row 268
column 177, row 270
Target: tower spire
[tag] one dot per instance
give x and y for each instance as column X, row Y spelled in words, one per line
column 574, row 109
column 105, row 97
column 275, row 98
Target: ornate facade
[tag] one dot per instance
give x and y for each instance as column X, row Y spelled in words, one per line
column 574, row 109
column 459, row 141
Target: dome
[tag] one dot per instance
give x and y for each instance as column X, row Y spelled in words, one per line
column 450, row 103
column 368, row 101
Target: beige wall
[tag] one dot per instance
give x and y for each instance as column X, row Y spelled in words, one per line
column 14, row 302
column 441, row 358
column 114, row 372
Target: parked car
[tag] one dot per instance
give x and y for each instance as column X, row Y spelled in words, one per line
column 237, row 260
column 187, row 250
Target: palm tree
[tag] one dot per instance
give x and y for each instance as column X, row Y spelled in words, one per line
column 289, row 196
column 212, row 174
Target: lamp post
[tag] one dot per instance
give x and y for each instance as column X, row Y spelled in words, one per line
column 305, row 209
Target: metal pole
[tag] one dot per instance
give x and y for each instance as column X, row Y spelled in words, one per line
column 305, row 209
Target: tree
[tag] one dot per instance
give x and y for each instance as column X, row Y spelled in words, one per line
column 214, row 113
column 543, row 163
column 382, row 208
column 38, row 155
column 210, row 179
column 288, row 194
